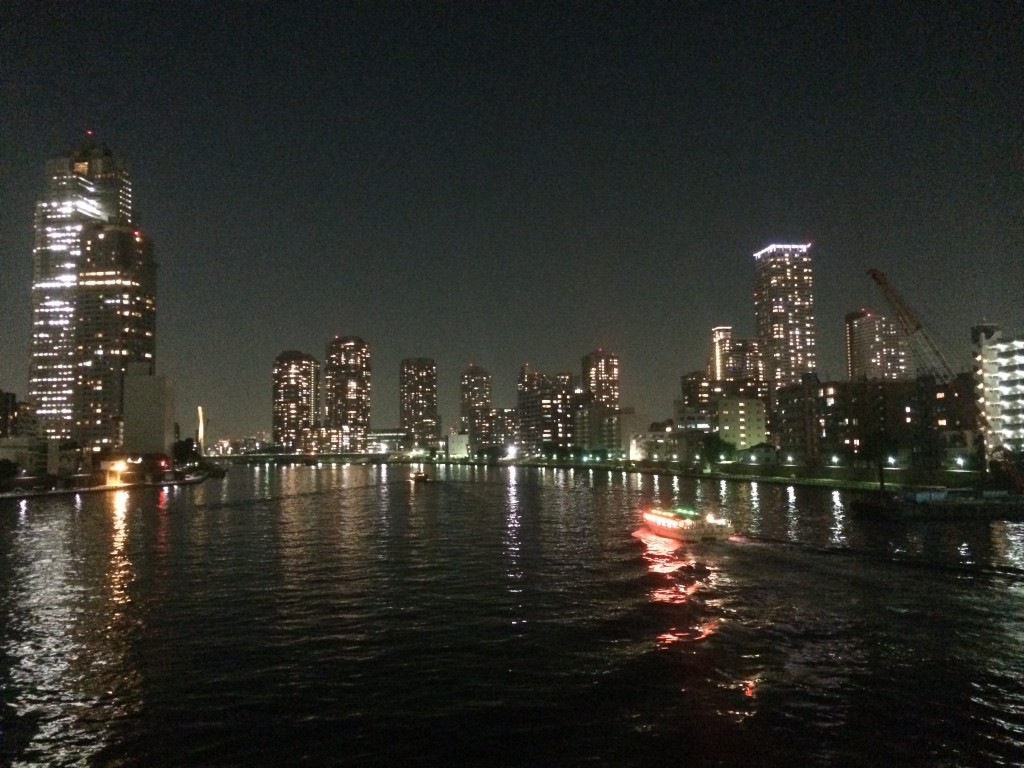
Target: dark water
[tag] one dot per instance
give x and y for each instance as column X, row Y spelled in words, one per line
column 344, row 616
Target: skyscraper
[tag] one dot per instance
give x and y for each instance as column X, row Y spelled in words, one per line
column 347, row 376
column 875, row 348
column 474, row 403
column 296, row 382
column 718, row 359
column 546, row 407
column 93, row 297
column 601, row 377
column 418, row 402
column 733, row 359
column 784, row 312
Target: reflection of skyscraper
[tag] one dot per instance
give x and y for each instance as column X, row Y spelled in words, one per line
column 93, row 297
column 875, row 347
column 347, row 375
column 296, row 379
column 474, row 403
column 784, row 312
column 418, row 402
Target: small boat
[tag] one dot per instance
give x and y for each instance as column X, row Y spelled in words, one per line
column 686, row 525
column 420, row 477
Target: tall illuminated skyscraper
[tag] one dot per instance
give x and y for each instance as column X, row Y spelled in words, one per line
column 93, row 297
column 296, row 402
column 347, row 377
column 784, row 312
column 474, row 403
column 875, row 348
column 718, row 359
column 601, row 377
column 418, row 402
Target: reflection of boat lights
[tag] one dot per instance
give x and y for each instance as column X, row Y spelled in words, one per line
column 693, row 635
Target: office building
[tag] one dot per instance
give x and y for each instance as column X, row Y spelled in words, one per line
column 93, row 297
column 296, row 402
column 418, row 403
column 347, row 386
column 876, row 349
column 784, row 312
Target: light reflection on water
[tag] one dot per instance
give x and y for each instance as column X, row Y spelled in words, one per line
column 319, row 591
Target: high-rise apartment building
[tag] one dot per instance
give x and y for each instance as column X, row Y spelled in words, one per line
column 784, row 312
column 601, row 377
column 474, row 403
column 418, row 402
column 875, row 348
column 295, row 397
column 597, row 423
column 999, row 373
column 93, row 297
column 347, row 379
column 115, row 328
column 546, row 406
column 718, row 359
column 731, row 359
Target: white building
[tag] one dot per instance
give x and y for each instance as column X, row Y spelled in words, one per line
column 999, row 370
column 742, row 421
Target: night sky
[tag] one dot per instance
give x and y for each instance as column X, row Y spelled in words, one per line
column 499, row 183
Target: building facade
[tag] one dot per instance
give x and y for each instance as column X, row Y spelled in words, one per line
column 295, row 398
column 115, row 328
column 418, row 403
column 474, row 404
column 999, row 376
column 93, row 297
column 601, row 377
column 784, row 312
column 875, row 348
column 741, row 421
column 546, row 406
column 347, row 387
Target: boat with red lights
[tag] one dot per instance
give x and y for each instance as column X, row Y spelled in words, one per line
column 685, row 524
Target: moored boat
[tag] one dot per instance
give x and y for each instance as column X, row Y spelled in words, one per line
column 685, row 524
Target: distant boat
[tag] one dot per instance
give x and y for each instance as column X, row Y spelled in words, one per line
column 419, row 477
column 685, row 524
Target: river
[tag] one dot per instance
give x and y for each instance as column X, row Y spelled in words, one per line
column 343, row 616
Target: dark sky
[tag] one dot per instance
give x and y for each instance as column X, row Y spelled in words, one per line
column 506, row 182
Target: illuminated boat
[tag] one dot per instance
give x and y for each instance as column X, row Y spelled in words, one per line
column 686, row 525
column 419, row 477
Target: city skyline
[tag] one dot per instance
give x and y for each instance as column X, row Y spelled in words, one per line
column 506, row 185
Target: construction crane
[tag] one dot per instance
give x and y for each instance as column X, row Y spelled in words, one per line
column 930, row 361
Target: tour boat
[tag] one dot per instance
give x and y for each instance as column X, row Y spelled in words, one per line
column 686, row 525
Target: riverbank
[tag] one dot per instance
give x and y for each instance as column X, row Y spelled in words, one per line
column 31, row 493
